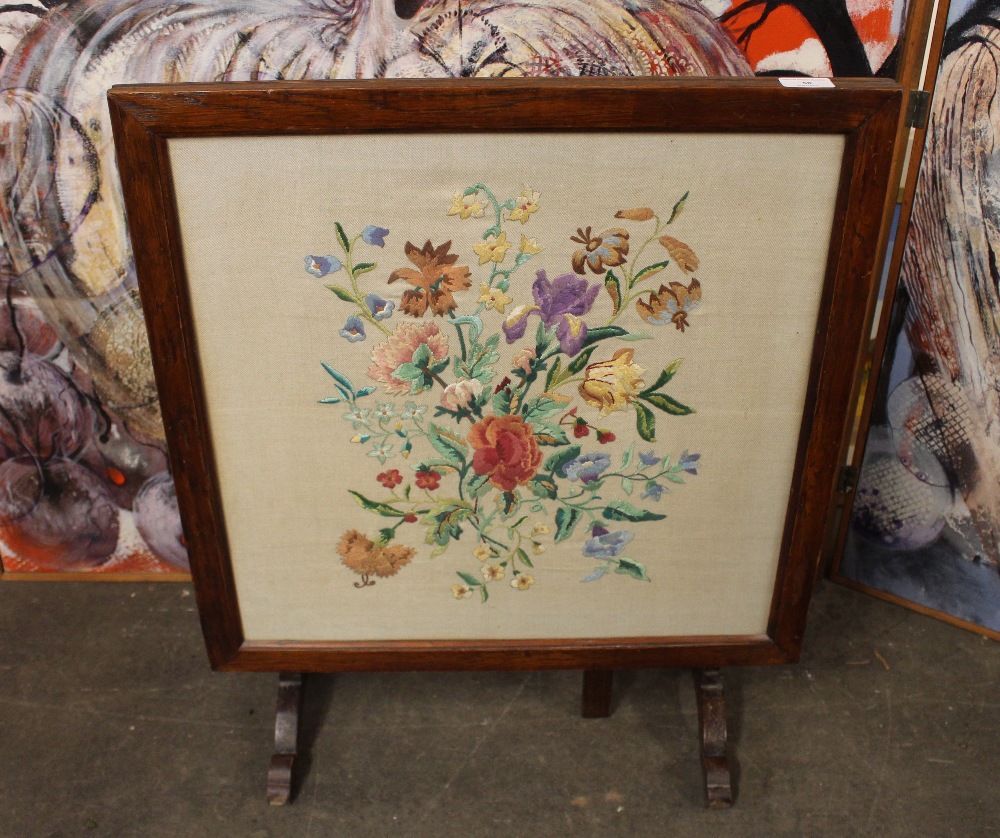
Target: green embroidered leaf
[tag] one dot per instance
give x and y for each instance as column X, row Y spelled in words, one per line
column 523, row 557
column 645, row 422
column 560, row 458
column 636, row 570
column 614, row 288
column 649, row 270
column 484, row 592
column 627, row 485
column 627, row 456
column 597, row 573
column 668, row 372
column 673, row 477
column 580, row 361
column 365, row 391
column 363, row 268
column 342, row 237
column 602, row 333
column 444, row 521
column 340, row 378
column 501, row 402
column 543, row 337
column 477, row 485
column 469, row 579
column 666, row 404
column 382, row 509
column 343, row 293
column 543, row 487
column 547, row 433
column 677, row 208
column 540, row 407
column 510, row 502
column 331, row 400
column 447, row 445
column 567, row 518
column 554, row 376
column 622, row 510
column 440, row 550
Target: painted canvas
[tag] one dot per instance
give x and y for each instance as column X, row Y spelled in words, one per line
column 926, row 521
column 84, row 481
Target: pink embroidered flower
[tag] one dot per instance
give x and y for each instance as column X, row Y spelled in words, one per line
column 461, row 393
column 523, row 358
column 399, row 349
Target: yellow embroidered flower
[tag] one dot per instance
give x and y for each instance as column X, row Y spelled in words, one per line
column 493, row 249
column 522, row 581
column 529, row 246
column 493, row 573
column 612, row 385
column 537, row 548
column 466, row 206
column 524, row 205
column 494, row 298
column 461, row 591
column 540, row 529
column 483, row 553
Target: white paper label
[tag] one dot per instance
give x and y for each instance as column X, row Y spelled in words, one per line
column 804, row 81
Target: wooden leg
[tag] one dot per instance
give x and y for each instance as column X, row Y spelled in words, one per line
column 712, row 721
column 597, row 685
column 286, row 738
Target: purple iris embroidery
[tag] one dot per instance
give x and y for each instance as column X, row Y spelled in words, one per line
column 587, row 468
column 354, row 329
column 560, row 302
column 380, row 309
column 320, row 266
column 374, row 235
column 606, row 545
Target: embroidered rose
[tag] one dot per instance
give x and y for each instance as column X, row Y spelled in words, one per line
column 370, row 558
column 671, row 304
column 461, row 393
column 612, row 385
column 506, row 450
column 600, row 251
column 523, row 359
column 435, row 279
column 400, row 348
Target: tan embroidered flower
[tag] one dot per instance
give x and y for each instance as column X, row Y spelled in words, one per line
column 537, row 548
column 612, row 385
column 522, row 581
column 523, row 358
column 540, row 529
column 400, row 347
column 494, row 298
column 461, row 591
column 671, row 304
column 604, row 250
column 493, row 249
column 483, row 553
column 466, row 206
column 529, row 246
column 524, row 205
column 435, row 279
column 368, row 558
column 493, row 573
column 635, row 214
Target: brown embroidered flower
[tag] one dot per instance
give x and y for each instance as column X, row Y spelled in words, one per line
column 606, row 249
column 671, row 304
column 612, row 385
column 635, row 214
column 370, row 558
column 506, row 450
column 434, row 281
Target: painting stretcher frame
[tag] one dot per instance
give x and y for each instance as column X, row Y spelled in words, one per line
column 145, row 117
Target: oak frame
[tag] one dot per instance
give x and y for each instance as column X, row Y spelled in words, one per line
column 145, row 117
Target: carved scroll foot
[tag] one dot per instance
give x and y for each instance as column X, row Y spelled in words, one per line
column 597, row 685
column 286, row 738
column 712, row 721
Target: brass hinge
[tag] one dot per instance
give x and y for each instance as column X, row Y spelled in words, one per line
column 848, row 480
column 917, row 109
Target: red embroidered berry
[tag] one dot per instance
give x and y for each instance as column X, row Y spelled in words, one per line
column 410, row 519
column 428, row 479
column 390, row 479
column 581, row 429
column 605, row 436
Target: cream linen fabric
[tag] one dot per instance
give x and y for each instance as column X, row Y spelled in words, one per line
column 759, row 217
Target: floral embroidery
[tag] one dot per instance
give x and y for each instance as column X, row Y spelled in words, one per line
column 508, row 457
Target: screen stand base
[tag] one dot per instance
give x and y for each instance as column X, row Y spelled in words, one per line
column 286, row 738
column 712, row 724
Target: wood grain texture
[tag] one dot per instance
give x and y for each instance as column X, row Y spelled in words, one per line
column 144, row 117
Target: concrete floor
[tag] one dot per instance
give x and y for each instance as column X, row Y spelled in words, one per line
column 111, row 724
